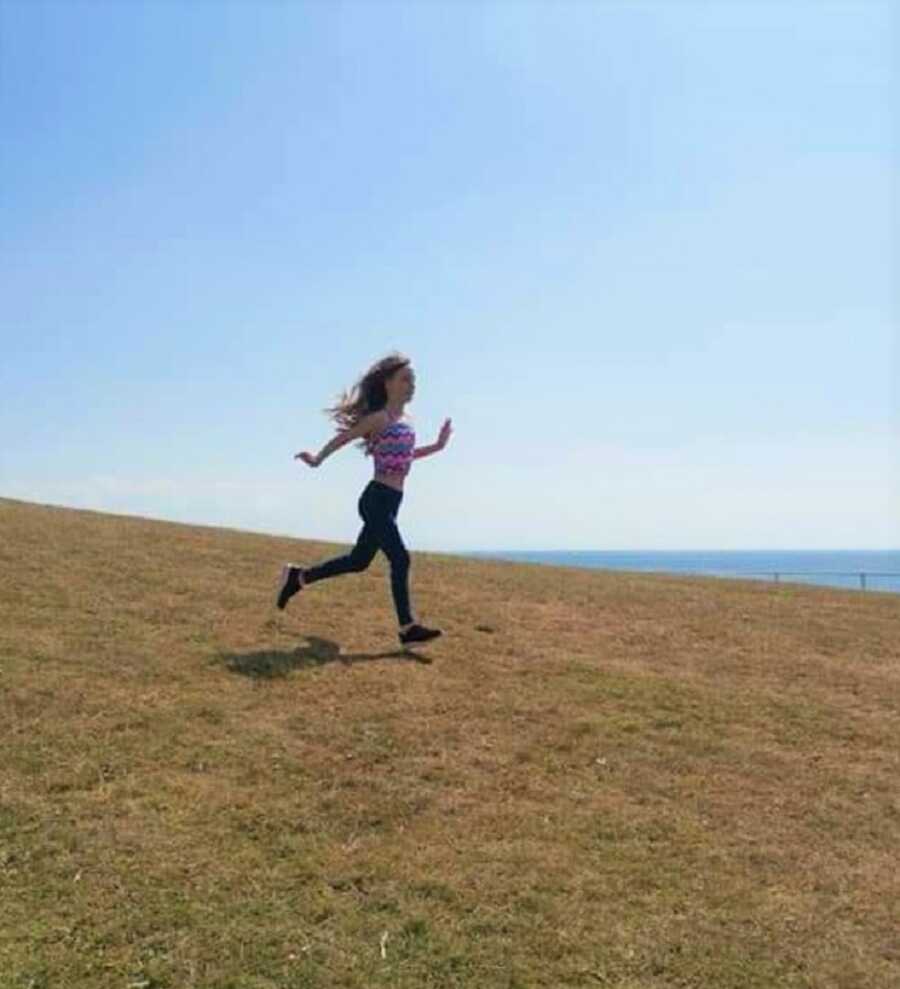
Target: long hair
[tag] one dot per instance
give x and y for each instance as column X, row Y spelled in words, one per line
column 369, row 394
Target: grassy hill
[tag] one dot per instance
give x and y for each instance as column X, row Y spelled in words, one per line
column 595, row 778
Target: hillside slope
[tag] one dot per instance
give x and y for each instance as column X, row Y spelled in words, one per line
column 593, row 779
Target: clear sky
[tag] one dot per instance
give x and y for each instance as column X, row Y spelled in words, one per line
column 644, row 255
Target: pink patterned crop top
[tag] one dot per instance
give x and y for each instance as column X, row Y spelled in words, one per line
column 392, row 448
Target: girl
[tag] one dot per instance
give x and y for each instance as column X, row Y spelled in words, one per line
column 373, row 411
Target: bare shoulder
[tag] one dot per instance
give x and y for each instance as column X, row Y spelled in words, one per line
column 370, row 423
column 375, row 422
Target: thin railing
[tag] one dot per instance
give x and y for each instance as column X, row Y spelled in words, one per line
column 777, row 574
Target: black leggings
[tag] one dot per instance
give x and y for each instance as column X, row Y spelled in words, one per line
column 378, row 506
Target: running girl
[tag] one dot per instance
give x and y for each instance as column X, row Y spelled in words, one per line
column 373, row 412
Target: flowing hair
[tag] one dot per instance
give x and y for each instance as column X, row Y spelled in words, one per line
column 369, row 394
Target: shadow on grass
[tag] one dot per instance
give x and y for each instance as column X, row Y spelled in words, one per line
column 270, row 663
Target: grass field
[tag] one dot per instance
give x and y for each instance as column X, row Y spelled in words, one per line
column 600, row 779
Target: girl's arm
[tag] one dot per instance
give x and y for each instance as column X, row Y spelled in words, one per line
column 425, row 451
column 365, row 425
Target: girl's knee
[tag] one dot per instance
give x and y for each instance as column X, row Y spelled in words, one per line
column 361, row 563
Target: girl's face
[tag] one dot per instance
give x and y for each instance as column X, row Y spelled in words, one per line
column 402, row 384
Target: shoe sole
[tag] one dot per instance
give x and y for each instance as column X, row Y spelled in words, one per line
column 282, row 583
column 419, row 642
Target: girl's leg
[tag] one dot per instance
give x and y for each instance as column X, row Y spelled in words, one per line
column 396, row 552
column 378, row 509
column 359, row 557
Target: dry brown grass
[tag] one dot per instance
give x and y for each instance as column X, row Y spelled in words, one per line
column 595, row 778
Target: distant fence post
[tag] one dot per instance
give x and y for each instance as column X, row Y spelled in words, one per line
column 778, row 574
column 837, row 573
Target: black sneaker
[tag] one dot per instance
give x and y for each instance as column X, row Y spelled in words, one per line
column 418, row 633
column 291, row 582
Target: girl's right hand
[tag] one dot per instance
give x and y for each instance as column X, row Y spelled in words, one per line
column 307, row 458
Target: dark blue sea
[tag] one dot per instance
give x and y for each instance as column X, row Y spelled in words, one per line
column 835, row 568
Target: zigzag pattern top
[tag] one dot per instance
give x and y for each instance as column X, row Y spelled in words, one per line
column 392, row 448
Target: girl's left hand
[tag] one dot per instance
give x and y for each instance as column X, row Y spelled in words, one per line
column 445, row 434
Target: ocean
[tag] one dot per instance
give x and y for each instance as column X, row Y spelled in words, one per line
column 835, row 568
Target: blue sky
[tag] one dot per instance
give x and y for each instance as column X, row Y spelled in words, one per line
column 644, row 255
